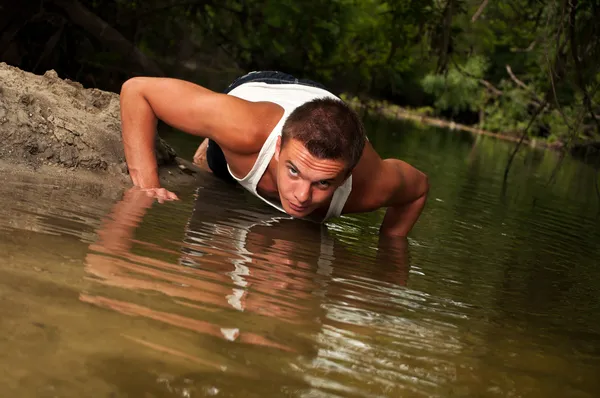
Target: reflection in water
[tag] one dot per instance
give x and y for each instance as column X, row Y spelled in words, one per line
column 217, row 296
column 240, row 259
column 114, row 265
column 236, row 258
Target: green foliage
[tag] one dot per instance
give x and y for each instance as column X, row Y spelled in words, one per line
column 356, row 41
column 458, row 89
column 425, row 54
column 509, row 112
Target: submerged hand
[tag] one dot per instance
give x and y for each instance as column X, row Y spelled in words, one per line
column 161, row 194
column 393, row 258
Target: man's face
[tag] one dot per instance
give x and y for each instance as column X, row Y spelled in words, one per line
column 304, row 181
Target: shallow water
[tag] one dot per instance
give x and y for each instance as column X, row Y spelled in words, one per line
column 495, row 293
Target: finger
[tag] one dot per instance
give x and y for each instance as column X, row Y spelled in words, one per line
column 167, row 195
column 161, row 195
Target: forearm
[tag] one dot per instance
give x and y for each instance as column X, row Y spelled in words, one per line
column 399, row 220
column 393, row 258
column 138, row 122
column 117, row 229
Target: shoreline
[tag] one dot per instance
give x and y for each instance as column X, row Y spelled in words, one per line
column 397, row 112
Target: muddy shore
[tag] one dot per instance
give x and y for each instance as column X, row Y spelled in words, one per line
column 57, row 127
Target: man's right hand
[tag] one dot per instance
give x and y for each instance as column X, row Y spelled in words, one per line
column 161, row 194
column 237, row 125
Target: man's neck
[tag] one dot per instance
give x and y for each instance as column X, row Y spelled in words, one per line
column 267, row 185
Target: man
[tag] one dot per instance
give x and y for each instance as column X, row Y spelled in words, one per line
column 290, row 142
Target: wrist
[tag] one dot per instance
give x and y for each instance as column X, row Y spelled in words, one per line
column 144, row 179
column 397, row 232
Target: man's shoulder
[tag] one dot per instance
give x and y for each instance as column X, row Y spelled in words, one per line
column 369, row 182
column 248, row 137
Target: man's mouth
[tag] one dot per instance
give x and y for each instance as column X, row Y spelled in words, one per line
column 297, row 208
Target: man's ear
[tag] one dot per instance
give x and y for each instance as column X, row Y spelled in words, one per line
column 277, row 148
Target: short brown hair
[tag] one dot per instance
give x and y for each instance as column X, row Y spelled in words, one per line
column 328, row 128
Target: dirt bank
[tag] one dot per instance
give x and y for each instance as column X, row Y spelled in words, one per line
column 48, row 124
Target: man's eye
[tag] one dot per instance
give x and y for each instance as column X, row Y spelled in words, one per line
column 324, row 184
column 293, row 171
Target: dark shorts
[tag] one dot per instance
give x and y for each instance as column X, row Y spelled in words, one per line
column 214, row 155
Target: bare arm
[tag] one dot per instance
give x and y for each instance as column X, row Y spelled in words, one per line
column 187, row 107
column 406, row 199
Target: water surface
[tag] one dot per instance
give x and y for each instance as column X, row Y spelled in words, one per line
column 495, row 293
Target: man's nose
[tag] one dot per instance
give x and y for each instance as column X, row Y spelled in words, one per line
column 302, row 193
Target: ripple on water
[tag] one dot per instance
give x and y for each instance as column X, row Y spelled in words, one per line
column 215, row 294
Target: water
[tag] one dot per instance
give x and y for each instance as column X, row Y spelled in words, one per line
column 495, row 293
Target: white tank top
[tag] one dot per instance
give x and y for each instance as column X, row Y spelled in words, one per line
column 289, row 97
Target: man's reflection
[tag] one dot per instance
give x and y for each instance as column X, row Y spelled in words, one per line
column 233, row 257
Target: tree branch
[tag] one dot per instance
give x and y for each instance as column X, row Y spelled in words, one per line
column 194, row 3
column 552, row 65
column 479, row 10
column 99, row 29
column 523, row 85
column 491, row 87
column 514, row 152
column 586, row 98
column 515, row 79
column 447, row 27
column 164, row 8
column 487, row 84
column 525, row 50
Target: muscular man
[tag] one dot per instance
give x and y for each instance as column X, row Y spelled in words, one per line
column 288, row 141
